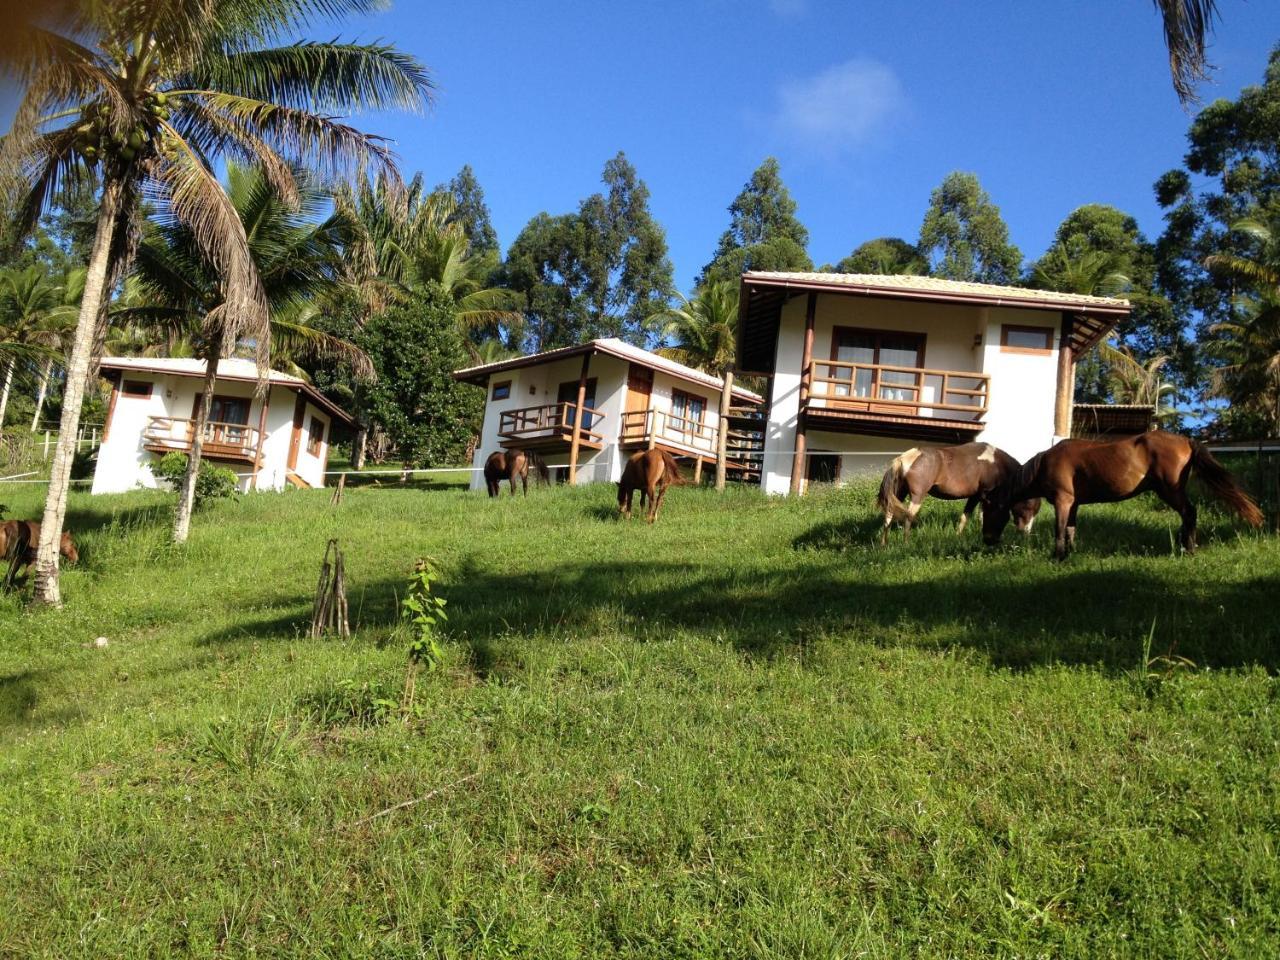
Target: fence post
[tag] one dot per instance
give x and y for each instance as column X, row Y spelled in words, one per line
column 46, row 444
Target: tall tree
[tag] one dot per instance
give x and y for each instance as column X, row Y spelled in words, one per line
column 27, row 299
column 152, row 94
column 964, row 237
column 886, row 256
column 471, row 212
column 600, row 272
column 763, row 233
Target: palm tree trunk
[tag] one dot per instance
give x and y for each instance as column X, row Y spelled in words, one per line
column 4, row 394
column 359, row 446
column 47, row 590
column 722, row 441
column 45, row 373
column 187, row 493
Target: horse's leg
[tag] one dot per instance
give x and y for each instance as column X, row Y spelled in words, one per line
column 1176, row 497
column 1063, row 504
column 662, row 493
column 524, row 480
column 964, row 516
column 884, row 532
column 652, row 492
column 1071, row 526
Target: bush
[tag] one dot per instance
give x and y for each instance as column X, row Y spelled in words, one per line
column 212, row 483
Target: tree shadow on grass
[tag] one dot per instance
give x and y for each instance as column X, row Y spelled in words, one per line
column 18, row 696
column 1063, row 615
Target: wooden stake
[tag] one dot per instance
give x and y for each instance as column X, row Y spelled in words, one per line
column 330, row 609
column 337, row 491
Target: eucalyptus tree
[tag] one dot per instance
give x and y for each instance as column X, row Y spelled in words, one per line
column 296, row 256
column 149, row 94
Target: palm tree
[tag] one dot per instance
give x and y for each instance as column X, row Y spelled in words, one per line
column 296, row 260
column 55, row 333
column 1137, row 382
column 150, row 94
column 1250, row 343
column 1075, row 268
column 705, row 331
column 28, row 298
column 1187, row 23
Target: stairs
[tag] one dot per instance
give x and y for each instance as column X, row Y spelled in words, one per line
column 296, row 480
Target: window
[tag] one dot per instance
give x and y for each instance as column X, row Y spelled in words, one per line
column 136, row 388
column 502, row 390
column 872, row 348
column 315, row 436
column 688, row 410
column 1016, row 339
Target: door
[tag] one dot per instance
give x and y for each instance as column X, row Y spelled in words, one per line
column 635, row 422
column 568, row 393
column 225, row 415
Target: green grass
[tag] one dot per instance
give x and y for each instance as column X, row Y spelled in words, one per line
column 744, row 732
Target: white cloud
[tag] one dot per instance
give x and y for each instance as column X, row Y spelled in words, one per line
column 842, row 107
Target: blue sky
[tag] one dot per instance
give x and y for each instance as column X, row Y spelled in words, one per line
column 866, row 105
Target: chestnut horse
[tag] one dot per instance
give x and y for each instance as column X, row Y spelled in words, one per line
column 1106, row 471
column 650, row 472
column 18, row 540
column 510, row 464
column 969, row 471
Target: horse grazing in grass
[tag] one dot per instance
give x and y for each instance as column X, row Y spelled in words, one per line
column 18, row 541
column 969, row 472
column 510, row 464
column 1106, row 471
column 650, row 472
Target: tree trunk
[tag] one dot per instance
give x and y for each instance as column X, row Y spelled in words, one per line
column 47, row 589
column 45, row 373
column 722, row 441
column 187, row 493
column 359, row 446
column 4, row 394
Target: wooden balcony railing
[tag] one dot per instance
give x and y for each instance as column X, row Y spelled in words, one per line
column 662, row 426
column 549, row 420
column 898, row 391
column 220, row 439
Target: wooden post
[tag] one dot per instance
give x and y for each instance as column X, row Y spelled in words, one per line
column 722, row 440
column 46, row 444
column 262, row 435
column 697, row 469
column 1066, row 381
column 577, row 420
column 337, row 491
column 806, row 373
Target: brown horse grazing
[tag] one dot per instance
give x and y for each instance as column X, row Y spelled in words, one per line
column 1106, row 471
column 969, row 472
column 650, row 472
column 510, row 464
column 18, row 540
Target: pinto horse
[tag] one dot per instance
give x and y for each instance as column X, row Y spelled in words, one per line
column 510, row 464
column 650, row 472
column 1106, row 471
column 18, row 540
column 970, row 471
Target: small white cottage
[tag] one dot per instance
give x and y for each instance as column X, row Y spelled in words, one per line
column 269, row 441
column 631, row 399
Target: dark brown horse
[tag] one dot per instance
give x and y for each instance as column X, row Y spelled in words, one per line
column 970, row 471
column 18, row 542
column 650, row 472
column 510, row 465
column 1097, row 471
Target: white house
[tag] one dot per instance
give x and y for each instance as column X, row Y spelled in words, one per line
column 282, row 436
column 864, row 366
column 631, row 399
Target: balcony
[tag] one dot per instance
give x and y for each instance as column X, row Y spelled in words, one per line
column 886, row 400
column 660, row 428
column 222, row 441
column 549, row 428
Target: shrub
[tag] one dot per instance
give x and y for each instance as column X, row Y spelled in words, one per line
column 212, row 483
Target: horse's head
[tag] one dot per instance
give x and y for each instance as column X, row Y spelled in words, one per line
column 67, row 547
column 1024, row 514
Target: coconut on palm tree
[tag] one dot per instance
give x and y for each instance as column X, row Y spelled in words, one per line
column 296, row 257
column 150, row 95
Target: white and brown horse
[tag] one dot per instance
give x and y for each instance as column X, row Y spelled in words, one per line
column 972, row 472
column 511, row 465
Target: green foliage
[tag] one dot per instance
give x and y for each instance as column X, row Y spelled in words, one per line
column 471, row 212
column 212, row 482
column 600, row 272
column 964, row 237
column 414, row 346
column 703, row 330
column 763, row 233
column 363, row 704
column 422, row 612
column 886, row 256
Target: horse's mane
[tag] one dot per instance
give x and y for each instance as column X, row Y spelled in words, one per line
column 539, row 465
column 1022, row 479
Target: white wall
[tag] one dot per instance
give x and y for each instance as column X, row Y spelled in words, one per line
column 123, row 464
column 1022, row 386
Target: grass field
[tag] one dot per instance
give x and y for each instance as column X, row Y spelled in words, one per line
column 744, row 732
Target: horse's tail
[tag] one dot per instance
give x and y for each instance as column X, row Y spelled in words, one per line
column 1223, row 486
column 887, row 499
column 539, row 466
column 671, row 468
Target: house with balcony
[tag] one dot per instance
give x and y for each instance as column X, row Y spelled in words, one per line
column 586, row 408
column 863, row 366
column 272, row 437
